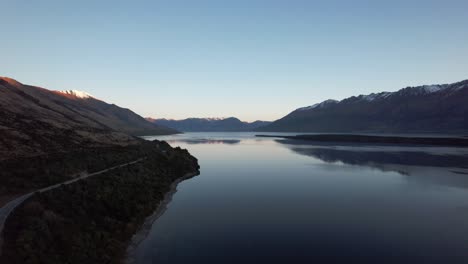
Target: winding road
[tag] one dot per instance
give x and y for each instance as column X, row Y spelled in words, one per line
column 6, row 210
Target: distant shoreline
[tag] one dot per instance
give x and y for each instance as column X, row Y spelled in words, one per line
column 352, row 138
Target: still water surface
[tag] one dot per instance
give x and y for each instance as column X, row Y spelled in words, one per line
column 264, row 200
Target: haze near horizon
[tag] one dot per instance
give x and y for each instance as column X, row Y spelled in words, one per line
column 255, row 60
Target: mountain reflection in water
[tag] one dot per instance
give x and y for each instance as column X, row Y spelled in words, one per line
column 261, row 200
column 206, row 141
column 446, row 166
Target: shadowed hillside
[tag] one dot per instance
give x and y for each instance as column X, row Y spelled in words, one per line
column 36, row 121
column 422, row 109
column 230, row 124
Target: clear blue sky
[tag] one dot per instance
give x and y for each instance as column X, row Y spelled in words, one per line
column 254, row 59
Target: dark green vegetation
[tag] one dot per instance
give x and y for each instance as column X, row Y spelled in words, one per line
column 435, row 141
column 25, row 174
column 49, row 137
column 92, row 220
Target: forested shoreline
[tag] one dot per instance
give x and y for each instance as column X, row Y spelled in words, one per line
column 93, row 220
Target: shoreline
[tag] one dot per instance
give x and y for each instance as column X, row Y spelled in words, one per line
column 135, row 193
column 382, row 140
column 145, row 228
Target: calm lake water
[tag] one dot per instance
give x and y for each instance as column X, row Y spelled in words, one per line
column 264, row 200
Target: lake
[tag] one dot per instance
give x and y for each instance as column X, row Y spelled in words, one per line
column 267, row 200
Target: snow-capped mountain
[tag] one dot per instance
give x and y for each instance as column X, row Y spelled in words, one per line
column 35, row 121
column 209, row 124
column 419, row 90
column 77, row 94
column 319, row 105
column 428, row 108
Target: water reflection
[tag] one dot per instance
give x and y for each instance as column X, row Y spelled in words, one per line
column 444, row 166
column 266, row 201
column 374, row 158
column 205, row 141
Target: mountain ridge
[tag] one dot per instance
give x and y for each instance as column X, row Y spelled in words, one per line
column 35, row 121
column 216, row 124
column 76, row 93
column 426, row 108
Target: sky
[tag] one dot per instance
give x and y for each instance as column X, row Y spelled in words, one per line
column 252, row 59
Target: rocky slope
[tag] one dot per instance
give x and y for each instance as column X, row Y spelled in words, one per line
column 422, row 109
column 36, row 121
column 209, row 124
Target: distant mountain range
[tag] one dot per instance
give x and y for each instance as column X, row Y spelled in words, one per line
column 422, row 109
column 36, row 121
column 230, row 124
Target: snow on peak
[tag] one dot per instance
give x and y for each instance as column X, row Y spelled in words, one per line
column 373, row 96
column 426, row 89
column 78, row 94
column 433, row 88
column 457, row 88
column 319, row 105
column 370, row 97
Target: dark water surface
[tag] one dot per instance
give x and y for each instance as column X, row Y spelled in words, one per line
column 261, row 200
